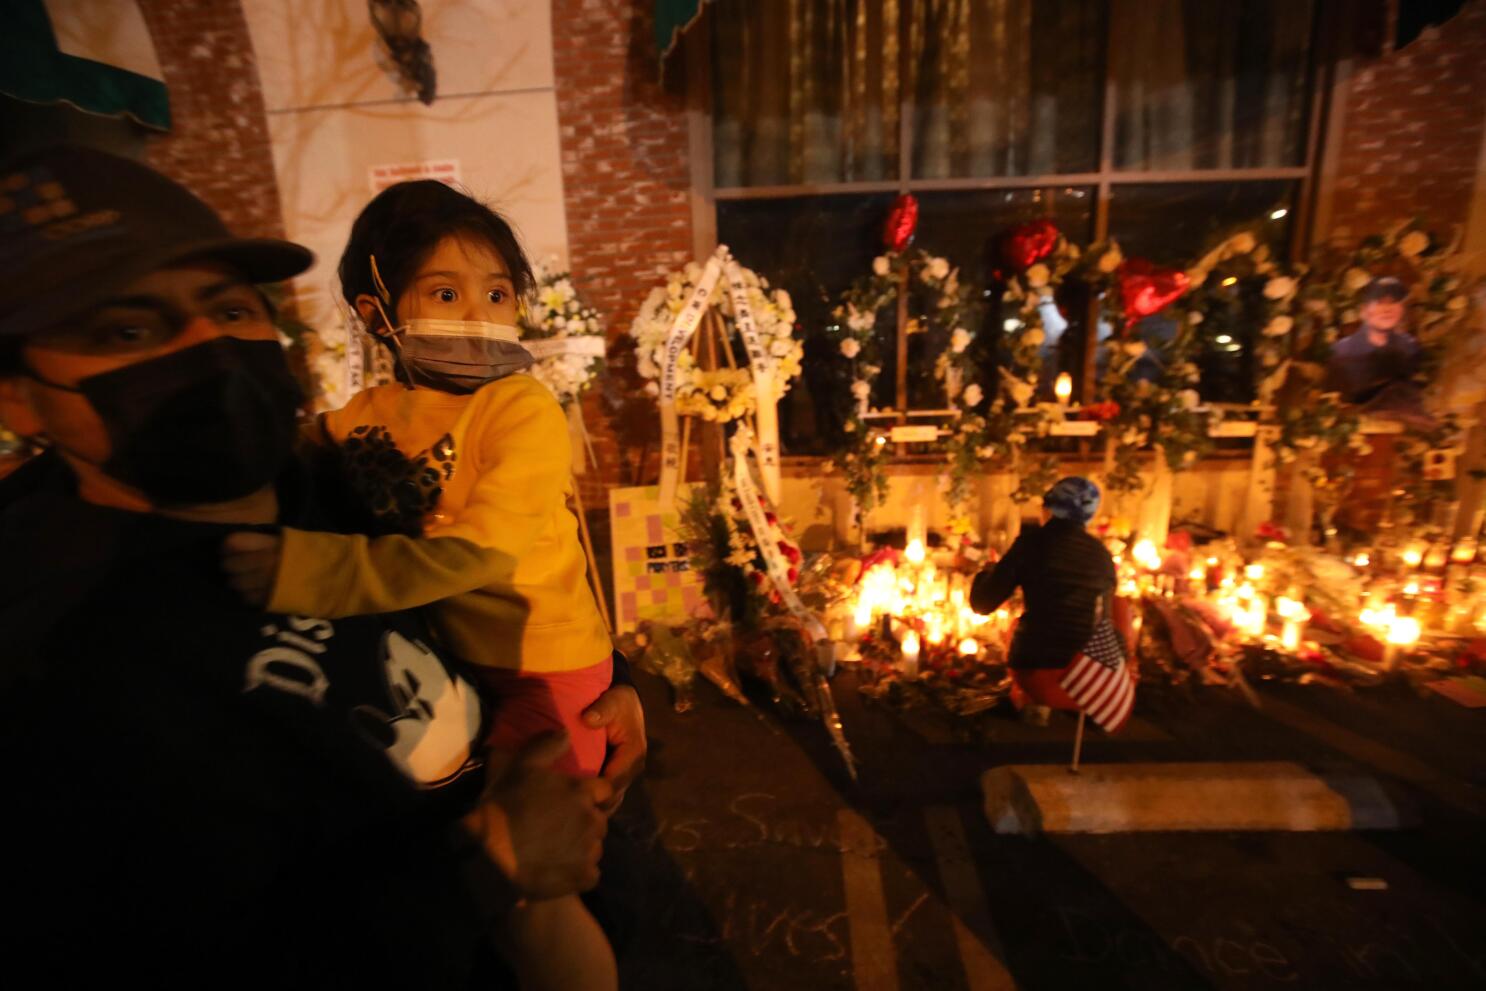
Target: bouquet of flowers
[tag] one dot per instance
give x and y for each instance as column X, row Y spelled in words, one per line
column 558, row 313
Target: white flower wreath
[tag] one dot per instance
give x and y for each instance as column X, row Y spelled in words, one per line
column 556, row 312
column 725, row 394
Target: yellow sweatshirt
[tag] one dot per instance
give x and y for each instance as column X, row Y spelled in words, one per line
column 486, row 476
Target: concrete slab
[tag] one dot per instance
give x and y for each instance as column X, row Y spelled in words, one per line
column 1179, row 797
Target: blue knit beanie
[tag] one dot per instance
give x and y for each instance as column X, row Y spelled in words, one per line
column 1072, row 498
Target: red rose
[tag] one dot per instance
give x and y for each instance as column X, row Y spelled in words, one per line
column 758, row 577
column 792, row 575
column 791, row 552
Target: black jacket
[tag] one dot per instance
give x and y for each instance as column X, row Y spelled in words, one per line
column 1063, row 572
column 202, row 794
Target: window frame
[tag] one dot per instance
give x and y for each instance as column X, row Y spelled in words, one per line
column 1325, row 81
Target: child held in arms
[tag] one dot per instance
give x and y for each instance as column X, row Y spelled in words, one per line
column 463, row 468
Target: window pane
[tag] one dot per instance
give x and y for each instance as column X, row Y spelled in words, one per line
column 1203, row 85
column 814, row 247
column 1006, row 87
column 966, row 227
column 804, row 91
column 1173, row 223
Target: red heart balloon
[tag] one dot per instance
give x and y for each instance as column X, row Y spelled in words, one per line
column 902, row 221
column 1029, row 244
column 1146, row 289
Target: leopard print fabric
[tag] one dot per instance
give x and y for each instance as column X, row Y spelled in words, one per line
column 398, row 492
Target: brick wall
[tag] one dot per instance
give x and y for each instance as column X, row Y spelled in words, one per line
column 625, row 170
column 1412, row 131
column 218, row 145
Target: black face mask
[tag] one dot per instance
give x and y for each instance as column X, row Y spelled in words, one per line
column 209, row 423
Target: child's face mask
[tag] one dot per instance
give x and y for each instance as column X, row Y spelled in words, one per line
column 459, row 356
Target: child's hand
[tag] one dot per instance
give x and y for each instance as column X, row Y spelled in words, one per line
column 251, row 561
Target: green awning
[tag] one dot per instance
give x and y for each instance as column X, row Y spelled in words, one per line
column 672, row 17
column 105, row 65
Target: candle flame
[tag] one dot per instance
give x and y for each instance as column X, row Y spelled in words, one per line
column 1404, row 630
column 969, row 647
column 910, row 644
column 1063, row 388
column 915, row 551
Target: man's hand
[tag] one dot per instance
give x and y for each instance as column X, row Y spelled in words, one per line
column 544, row 829
column 619, row 712
column 251, row 562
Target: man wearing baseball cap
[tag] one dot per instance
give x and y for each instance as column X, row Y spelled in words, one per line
column 1374, row 365
column 200, row 792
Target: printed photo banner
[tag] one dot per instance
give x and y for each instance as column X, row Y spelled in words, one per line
column 764, row 536
column 764, row 383
column 682, row 328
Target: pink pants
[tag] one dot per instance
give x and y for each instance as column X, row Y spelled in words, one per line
column 529, row 703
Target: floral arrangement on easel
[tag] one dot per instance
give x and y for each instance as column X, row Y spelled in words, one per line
column 946, row 305
column 723, row 394
column 995, row 425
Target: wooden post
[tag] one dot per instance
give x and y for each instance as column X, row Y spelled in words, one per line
column 1078, row 743
column 900, row 391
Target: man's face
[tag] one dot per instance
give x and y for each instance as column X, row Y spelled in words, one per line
column 161, row 313
column 1383, row 314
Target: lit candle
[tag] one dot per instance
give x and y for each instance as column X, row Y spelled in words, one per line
column 1063, row 387
column 1290, row 636
column 910, row 653
column 1254, row 572
column 1402, row 632
column 1146, row 555
column 1412, row 557
column 915, row 551
column 969, row 647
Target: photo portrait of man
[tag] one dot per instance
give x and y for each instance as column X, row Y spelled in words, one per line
column 1374, row 366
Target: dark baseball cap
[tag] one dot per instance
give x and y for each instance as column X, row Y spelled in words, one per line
column 77, row 225
column 1384, row 287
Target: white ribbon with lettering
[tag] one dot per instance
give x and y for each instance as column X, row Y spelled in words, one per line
column 591, row 346
column 765, row 536
column 765, row 382
column 682, row 328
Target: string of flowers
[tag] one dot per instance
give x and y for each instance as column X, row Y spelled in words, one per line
column 557, row 312
column 725, row 394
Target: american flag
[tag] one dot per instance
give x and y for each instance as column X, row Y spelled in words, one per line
column 1099, row 680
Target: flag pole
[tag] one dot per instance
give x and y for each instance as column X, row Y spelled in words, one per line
column 1078, row 743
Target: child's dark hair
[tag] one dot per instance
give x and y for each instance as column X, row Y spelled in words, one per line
column 406, row 221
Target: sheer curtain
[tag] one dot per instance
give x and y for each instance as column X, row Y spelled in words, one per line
column 1006, row 87
column 805, row 91
column 1203, row 85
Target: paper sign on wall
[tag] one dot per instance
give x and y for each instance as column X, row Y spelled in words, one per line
column 379, row 177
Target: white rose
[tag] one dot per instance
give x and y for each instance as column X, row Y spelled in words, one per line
column 718, row 393
column 646, row 367
column 1135, row 348
column 1280, row 287
column 851, row 347
column 1278, row 326
column 780, row 347
column 652, row 389
column 1413, row 243
column 673, row 289
column 880, row 265
column 861, row 389
column 782, row 300
column 959, row 340
column 938, row 267
column 1034, row 338
column 1189, row 398
column 1038, row 276
column 972, row 394
column 1242, row 243
column 1356, row 278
